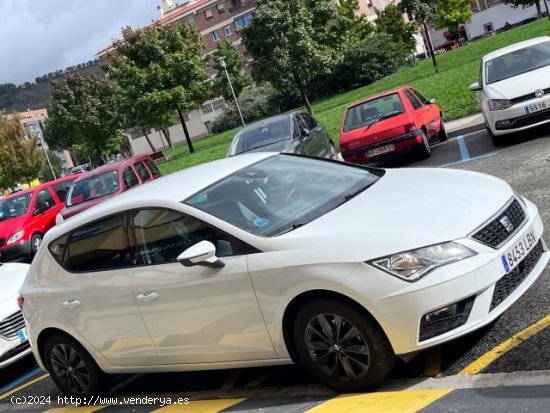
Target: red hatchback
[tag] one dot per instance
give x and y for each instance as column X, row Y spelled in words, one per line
column 107, row 181
column 390, row 123
column 26, row 216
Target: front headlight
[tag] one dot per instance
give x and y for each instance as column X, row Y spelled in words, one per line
column 16, row 237
column 499, row 104
column 413, row 265
column 58, row 219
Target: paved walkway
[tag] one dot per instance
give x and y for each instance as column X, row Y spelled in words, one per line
column 465, row 125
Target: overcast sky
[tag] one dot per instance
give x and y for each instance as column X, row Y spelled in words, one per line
column 41, row 36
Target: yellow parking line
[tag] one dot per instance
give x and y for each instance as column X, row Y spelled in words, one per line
column 85, row 409
column 498, row 351
column 433, row 362
column 27, row 384
column 381, row 402
column 201, row 406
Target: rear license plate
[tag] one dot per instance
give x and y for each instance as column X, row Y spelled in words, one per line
column 535, row 107
column 519, row 251
column 381, row 150
column 22, row 335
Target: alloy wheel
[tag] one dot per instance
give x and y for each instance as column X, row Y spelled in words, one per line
column 337, row 347
column 70, row 368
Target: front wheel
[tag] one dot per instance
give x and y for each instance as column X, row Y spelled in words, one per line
column 341, row 346
column 36, row 240
column 71, row 367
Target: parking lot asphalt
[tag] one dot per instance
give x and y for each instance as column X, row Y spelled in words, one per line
column 516, row 343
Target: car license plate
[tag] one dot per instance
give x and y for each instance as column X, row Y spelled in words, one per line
column 381, row 150
column 22, row 335
column 536, row 107
column 519, row 251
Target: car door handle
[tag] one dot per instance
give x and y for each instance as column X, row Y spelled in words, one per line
column 148, row 297
column 70, row 304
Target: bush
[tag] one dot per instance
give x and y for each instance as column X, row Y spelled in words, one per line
column 256, row 102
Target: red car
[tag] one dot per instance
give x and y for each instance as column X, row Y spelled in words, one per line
column 390, row 123
column 107, row 181
column 25, row 217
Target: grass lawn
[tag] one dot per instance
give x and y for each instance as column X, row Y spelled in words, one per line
column 457, row 69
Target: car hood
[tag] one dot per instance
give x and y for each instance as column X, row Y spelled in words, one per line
column 9, row 226
column 405, row 209
column 12, row 276
column 519, row 85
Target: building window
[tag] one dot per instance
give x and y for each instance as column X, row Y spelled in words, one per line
column 207, row 108
column 221, row 8
column 215, row 36
column 208, row 14
column 482, row 5
column 228, row 30
column 488, row 27
column 190, row 20
column 218, row 104
column 243, row 21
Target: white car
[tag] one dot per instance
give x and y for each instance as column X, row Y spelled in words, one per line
column 265, row 259
column 514, row 87
column 13, row 340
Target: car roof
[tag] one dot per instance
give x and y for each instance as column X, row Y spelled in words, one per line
column 113, row 166
column 41, row 186
column 379, row 95
column 515, row 46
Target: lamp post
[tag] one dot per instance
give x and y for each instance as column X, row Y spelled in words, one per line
column 224, row 67
column 43, row 144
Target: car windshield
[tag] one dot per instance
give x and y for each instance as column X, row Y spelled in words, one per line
column 94, row 187
column 517, row 62
column 261, row 134
column 282, row 193
column 373, row 111
column 14, row 206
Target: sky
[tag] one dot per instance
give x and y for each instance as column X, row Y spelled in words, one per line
column 41, row 36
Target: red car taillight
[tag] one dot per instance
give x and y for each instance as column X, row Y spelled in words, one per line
column 20, row 301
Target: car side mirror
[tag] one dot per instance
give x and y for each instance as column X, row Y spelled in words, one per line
column 475, row 87
column 432, row 101
column 203, row 253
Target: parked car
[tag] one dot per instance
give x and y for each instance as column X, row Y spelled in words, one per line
column 514, row 87
column 107, row 181
column 264, row 259
column 14, row 344
column 295, row 132
column 25, row 216
column 391, row 123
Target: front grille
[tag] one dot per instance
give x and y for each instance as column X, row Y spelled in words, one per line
column 525, row 120
column 2, row 242
column 15, row 351
column 529, row 96
column 507, row 284
column 11, row 325
column 495, row 233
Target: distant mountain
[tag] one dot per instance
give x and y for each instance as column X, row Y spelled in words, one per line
column 37, row 95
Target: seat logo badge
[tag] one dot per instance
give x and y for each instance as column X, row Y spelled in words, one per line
column 507, row 224
column 539, row 93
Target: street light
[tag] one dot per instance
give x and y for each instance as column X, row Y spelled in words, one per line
column 224, row 67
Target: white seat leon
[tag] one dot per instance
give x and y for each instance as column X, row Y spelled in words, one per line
column 514, row 87
column 266, row 259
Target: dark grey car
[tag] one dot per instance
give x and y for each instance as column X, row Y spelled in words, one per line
column 295, row 132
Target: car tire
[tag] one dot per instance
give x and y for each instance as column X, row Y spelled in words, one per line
column 497, row 140
column 423, row 150
column 36, row 240
column 442, row 135
column 365, row 367
column 71, row 367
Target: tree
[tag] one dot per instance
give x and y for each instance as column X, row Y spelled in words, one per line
column 235, row 68
column 294, row 40
column 159, row 69
column 21, row 160
column 451, row 13
column 359, row 27
column 45, row 173
column 526, row 3
column 84, row 112
column 421, row 12
column 391, row 21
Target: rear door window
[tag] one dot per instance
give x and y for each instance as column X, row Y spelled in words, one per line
column 44, row 201
column 152, row 167
column 413, row 99
column 142, row 171
column 62, row 188
column 129, row 177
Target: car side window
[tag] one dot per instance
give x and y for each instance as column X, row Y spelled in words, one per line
column 101, row 245
column 414, row 101
column 161, row 235
column 296, row 133
column 420, row 97
column 142, row 171
column 129, row 177
column 301, row 124
column 57, row 248
column 152, row 167
column 62, row 188
column 44, row 201
column 309, row 121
